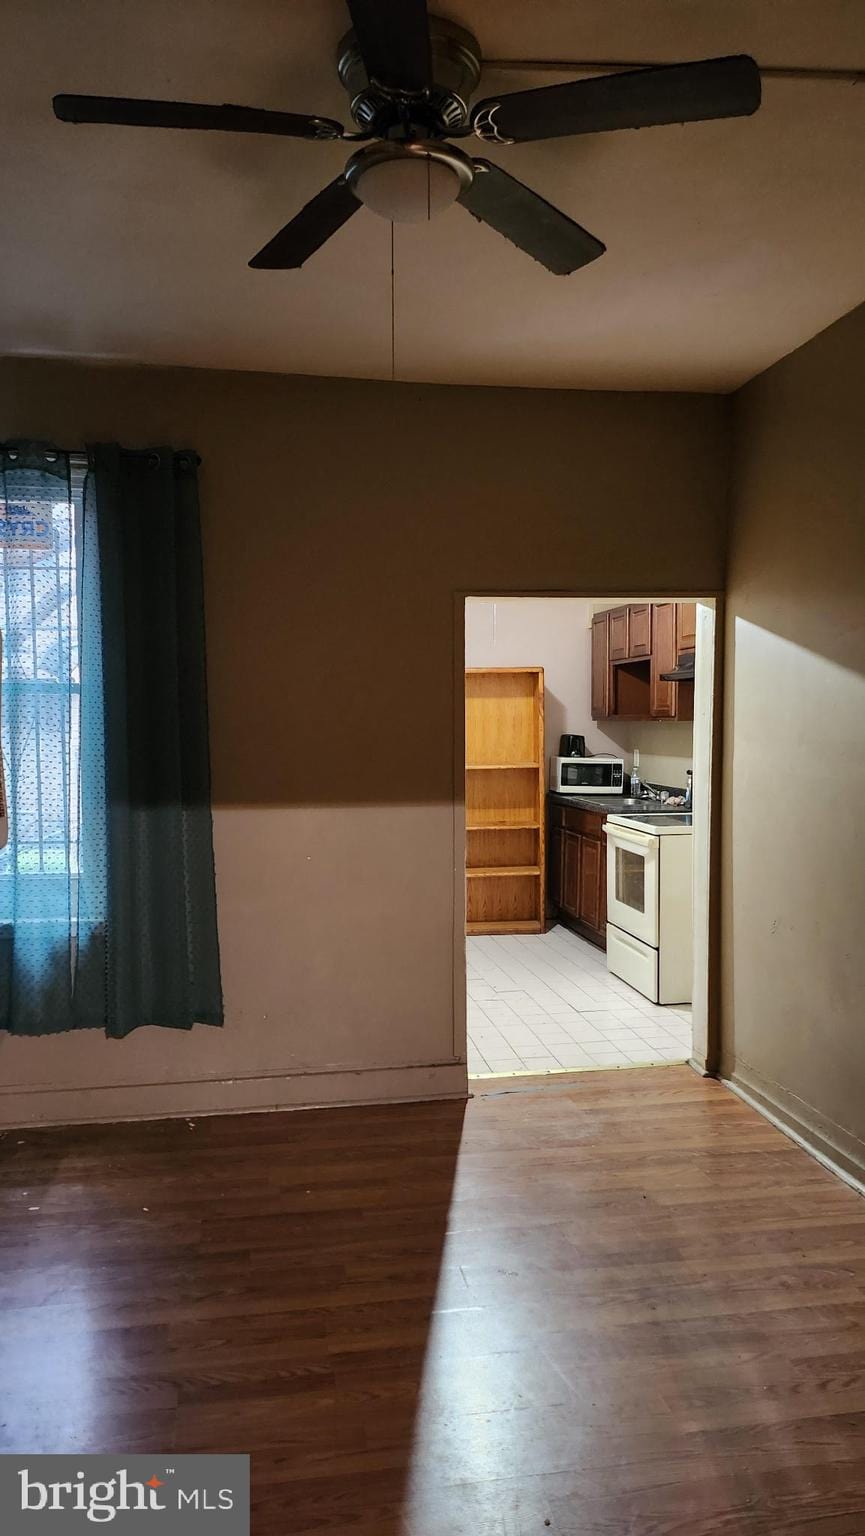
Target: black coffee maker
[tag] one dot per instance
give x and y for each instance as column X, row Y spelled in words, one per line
column 572, row 746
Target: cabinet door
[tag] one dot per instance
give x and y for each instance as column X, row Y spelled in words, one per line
column 571, row 872
column 640, row 631
column 686, row 627
column 662, row 696
column 592, row 882
column 619, row 644
column 555, row 855
column 600, row 666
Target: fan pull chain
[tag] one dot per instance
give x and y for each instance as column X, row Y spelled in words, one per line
column 392, row 314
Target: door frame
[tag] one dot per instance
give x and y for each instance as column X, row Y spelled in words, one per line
column 707, row 755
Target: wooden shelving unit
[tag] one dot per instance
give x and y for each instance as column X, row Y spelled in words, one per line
column 505, row 800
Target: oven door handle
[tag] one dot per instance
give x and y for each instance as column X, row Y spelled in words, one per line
column 626, row 835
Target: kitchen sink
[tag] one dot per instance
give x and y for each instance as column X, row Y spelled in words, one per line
column 644, row 803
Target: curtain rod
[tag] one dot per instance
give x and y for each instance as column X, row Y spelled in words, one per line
column 81, row 458
column 603, row 67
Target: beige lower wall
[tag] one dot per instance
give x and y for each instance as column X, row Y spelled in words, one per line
column 793, row 956
column 342, row 521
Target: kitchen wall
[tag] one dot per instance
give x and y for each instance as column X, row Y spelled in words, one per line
column 343, row 521
column 793, row 977
column 555, row 633
column 666, row 748
column 549, row 632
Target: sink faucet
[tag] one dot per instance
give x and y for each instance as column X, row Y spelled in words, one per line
column 653, row 794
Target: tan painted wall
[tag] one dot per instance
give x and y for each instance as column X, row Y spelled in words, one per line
column 340, row 520
column 794, row 814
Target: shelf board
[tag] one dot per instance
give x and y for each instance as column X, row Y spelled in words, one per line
column 502, row 826
column 513, row 925
column 490, row 871
column 496, row 767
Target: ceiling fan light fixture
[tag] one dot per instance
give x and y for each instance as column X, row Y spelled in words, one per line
column 407, row 183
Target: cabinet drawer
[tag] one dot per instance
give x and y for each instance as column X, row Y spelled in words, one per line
column 633, row 961
column 589, row 823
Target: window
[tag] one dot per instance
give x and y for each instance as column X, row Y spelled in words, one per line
column 39, row 589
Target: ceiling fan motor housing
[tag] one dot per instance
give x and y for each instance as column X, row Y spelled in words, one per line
column 456, row 69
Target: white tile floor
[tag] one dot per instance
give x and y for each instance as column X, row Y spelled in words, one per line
column 547, row 1003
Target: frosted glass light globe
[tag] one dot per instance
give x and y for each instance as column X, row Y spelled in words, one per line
column 408, row 189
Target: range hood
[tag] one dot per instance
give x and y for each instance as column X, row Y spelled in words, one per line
column 683, row 672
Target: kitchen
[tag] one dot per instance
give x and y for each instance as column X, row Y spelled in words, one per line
column 586, row 886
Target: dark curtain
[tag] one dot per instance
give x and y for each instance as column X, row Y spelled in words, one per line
column 162, row 949
column 107, row 889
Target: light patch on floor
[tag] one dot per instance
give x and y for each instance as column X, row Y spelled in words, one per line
column 547, row 1003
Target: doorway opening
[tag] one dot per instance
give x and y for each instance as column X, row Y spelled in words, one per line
column 588, row 772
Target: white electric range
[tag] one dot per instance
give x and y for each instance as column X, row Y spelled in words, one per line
column 649, row 903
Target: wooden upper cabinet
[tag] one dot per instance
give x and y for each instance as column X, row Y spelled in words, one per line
column 631, row 632
column 619, row 634
column 600, row 666
column 663, row 696
column 639, row 631
column 686, row 627
column 632, row 646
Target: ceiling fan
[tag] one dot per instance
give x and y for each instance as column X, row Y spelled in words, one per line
column 410, row 78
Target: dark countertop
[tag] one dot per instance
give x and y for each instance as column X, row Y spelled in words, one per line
column 608, row 805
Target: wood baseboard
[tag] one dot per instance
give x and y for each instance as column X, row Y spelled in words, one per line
column 21, row 1108
column 836, row 1149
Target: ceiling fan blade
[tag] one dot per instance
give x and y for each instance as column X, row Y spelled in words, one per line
column 393, row 38
column 528, row 220
column 140, row 113
column 638, row 98
column 309, row 229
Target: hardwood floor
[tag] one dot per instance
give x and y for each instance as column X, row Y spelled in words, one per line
column 621, row 1306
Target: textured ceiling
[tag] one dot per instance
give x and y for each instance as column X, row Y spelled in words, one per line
column 728, row 243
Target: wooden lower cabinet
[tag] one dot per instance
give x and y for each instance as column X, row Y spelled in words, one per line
column 593, row 884
column 578, row 870
column 571, row 871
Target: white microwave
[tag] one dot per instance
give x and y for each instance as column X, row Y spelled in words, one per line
column 587, row 775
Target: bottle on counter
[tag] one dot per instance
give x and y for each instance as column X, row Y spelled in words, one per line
column 635, row 774
column 689, row 790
